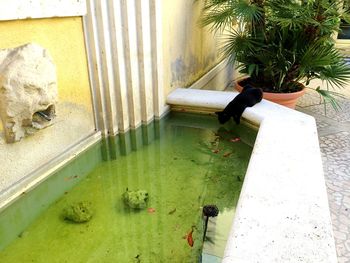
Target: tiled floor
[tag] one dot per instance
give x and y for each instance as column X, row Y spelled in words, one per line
column 334, row 137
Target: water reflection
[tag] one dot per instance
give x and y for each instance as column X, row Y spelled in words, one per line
column 181, row 165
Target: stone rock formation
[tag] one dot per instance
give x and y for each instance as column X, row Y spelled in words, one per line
column 79, row 212
column 28, row 90
column 135, row 199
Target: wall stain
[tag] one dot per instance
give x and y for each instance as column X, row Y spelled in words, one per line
column 184, row 72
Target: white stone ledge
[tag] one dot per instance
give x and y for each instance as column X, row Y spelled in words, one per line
column 283, row 213
column 19, row 9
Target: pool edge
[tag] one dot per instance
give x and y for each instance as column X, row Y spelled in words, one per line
column 275, row 221
column 13, row 192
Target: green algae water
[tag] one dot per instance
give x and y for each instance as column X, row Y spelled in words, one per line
column 182, row 167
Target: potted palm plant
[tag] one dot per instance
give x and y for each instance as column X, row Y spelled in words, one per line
column 282, row 45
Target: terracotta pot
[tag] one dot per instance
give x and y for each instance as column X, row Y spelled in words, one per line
column 285, row 99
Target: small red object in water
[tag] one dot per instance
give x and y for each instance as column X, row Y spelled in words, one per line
column 215, row 151
column 235, row 139
column 151, row 210
column 189, row 238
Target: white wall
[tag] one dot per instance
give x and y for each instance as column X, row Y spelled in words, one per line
column 139, row 51
column 124, row 48
column 19, row 9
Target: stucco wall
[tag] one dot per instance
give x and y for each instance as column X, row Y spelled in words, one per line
column 169, row 43
column 189, row 51
column 64, row 39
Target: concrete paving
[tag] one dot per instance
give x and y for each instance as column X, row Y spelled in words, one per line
column 334, row 138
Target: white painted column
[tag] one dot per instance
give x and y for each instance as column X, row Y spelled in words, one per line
column 157, row 57
column 124, row 45
column 106, row 66
column 115, row 16
column 92, row 45
column 143, row 21
column 131, row 61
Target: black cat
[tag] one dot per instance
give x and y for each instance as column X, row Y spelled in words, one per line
column 247, row 98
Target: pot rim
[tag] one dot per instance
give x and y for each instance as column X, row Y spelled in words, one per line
column 275, row 94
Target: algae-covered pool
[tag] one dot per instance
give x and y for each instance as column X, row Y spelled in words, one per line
column 183, row 163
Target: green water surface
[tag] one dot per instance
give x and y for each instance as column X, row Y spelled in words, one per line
column 182, row 170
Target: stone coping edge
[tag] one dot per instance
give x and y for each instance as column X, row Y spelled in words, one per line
column 19, row 9
column 282, row 214
column 29, row 182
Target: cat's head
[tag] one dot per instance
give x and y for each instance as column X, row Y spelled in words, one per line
column 222, row 116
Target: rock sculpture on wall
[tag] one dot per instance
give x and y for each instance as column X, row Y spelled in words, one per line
column 28, row 90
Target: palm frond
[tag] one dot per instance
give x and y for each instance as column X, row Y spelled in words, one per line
column 325, row 62
column 289, row 14
column 331, row 97
column 219, row 16
column 238, row 44
column 281, row 41
column 337, row 74
column 248, row 12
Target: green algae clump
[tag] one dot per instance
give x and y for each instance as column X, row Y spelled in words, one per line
column 79, row 212
column 135, row 199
